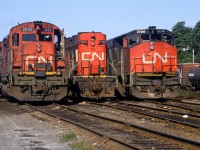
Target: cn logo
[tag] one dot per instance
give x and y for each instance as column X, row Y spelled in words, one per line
column 163, row 59
column 92, row 55
column 40, row 59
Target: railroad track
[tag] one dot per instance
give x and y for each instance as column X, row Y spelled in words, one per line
column 169, row 115
column 134, row 136
column 163, row 109
column 177, row 104
column 184, row 103
column 197, row 103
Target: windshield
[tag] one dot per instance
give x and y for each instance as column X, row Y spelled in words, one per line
column 157, row 37
column 144, row 37
column 28, row 37
column 45, row 37
column 168, row 38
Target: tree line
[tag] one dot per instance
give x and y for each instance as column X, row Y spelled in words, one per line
column 187, row 39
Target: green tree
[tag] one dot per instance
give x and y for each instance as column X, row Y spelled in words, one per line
column 196, row 38
column 183, row 40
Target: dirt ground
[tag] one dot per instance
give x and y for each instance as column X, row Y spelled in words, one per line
column 21, row 131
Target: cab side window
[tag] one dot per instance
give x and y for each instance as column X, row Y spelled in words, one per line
column 167, row 38
column 15, row 39
column 132, row 39
column 45, row 37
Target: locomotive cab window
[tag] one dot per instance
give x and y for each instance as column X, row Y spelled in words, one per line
column 57, row 36
column 132, row 39
column 28, row 37
column 156, row 37
column 15, row 39
column 45, row 37
column 83, row 42
column 167, row 38
column 144, row 37
column 57, row 40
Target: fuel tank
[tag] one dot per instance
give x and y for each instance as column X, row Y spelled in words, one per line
column 194, row 77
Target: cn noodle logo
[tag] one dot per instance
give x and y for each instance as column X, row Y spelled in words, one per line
column 155, row 56
column 92, row 55
column 40, row 59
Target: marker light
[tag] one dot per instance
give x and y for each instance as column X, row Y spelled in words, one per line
column 151, row 46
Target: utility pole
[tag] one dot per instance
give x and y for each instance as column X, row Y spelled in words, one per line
column 193, row 55
column 188, row 49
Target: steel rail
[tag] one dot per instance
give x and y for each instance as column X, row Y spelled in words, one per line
column 159, row 109
column 194, row 110
column 174, row 137
column 185, row 102
column 131, row 146
column 190, row 103
column 151, row 115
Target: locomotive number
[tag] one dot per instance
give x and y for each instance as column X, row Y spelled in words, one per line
column 46, row 29
column 140, row 31
column 27, row 29
column 91, row 56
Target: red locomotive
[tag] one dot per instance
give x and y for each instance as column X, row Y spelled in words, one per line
column 86, row 56
column 146, row 61
column 33, row 65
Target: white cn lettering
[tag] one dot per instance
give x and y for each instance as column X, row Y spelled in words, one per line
column 91, row 56
column 163, row 59
column 40, row 59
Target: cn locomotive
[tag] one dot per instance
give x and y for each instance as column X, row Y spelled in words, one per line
column 146, row 61
column 86, row 58
column 33, row 67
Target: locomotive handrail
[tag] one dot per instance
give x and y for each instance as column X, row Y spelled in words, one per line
column 152, row 65
column 88, row 66
column 74, row 68
column 35, row 60
column 112, row 66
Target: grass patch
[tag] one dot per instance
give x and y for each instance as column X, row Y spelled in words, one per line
column 80, row 146
column 189, row 94
column 74, row 143
column 71, row 136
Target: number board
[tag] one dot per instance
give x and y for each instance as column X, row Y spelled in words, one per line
column 46, row 29
column 27, row 29
column 140, row 31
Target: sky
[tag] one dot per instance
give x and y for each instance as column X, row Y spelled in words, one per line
column 112, row 17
